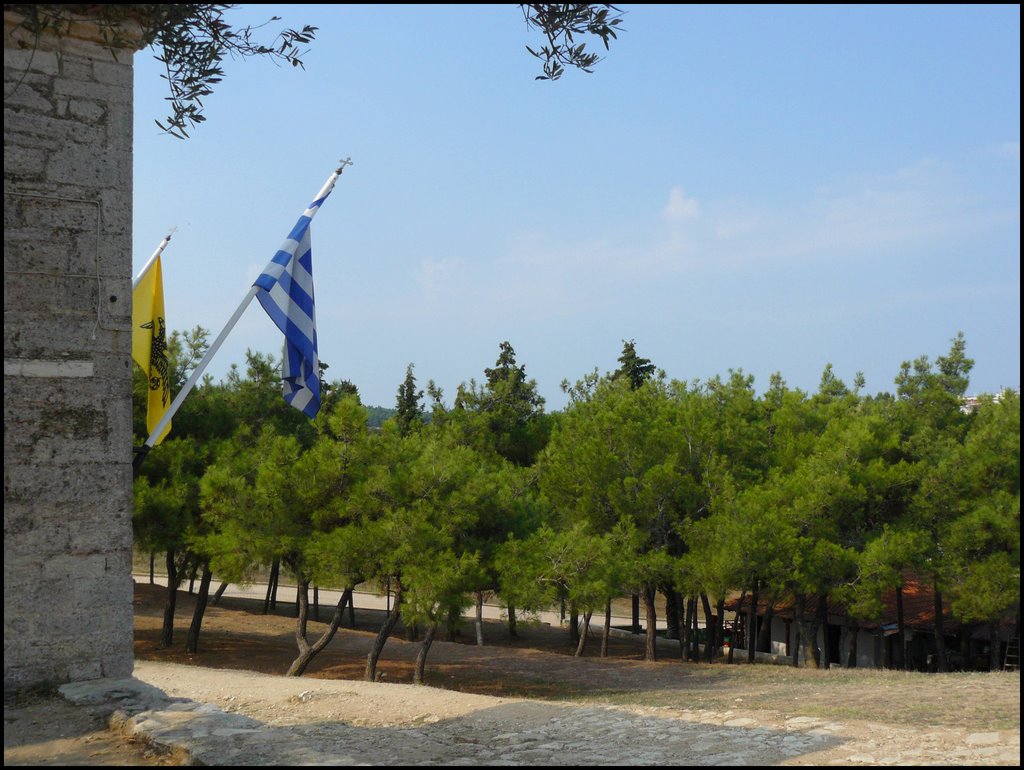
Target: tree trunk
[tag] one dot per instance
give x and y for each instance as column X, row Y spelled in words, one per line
column 574, row 624
column 709, row 628
column 479, row 618
column 735, row 626
column 808, row 632
column 671, row 613
column 219, row 593
column 452, row 624
column 192, row 642
column 352, row 608
column 270, row 587
column 719, row 627
column 940, row 633
column 798, row 613
column 301, row 615
column 795, row 643
column 994, row 647
column 152, row 560
column 764, row 636
column 607, row 628
column 270, row 601
column 751, row 631
column 421, row 656
column 692, row 634
column 684, row 631
column 651, row 648
column 824, row 656
column 852, row 631
column 277, row 584
column 306, row 651
column 901, row 646
column 964, row 638
column 316, row 603
column 820, row 657
column 635, row 599
column 382, row 636
column 697, row 608
column 583, row 635
column 167, row 632
column 512, row 632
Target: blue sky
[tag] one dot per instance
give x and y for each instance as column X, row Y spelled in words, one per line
column 757, row 188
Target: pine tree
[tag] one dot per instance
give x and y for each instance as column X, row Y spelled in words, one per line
column 410, row 411
column 637, row 370
column 510, row 411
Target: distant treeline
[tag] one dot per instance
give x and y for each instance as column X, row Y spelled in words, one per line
column 377, row 415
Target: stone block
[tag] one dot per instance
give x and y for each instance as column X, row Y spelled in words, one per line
column 74, row 568
column 25, row 251
column 33, row 214
column 17, row 60
column 78, row 670
column 48, row 132
column 31, row 335
column 120, row 124
column 87, row 111
column 117, row 665
column 104, row 533
column 117, row 220
column 114, row 72
column 91, row 89
column 66, row 296
column 115, row 305
column 25, row 97
column 77, row 69
column 24, row 163
column 76, row 161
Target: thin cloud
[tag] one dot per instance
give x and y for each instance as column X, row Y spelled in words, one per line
column 915, row 207
column 1009, row 150
column 440, row 276
column 547, row 276
column 680, row 208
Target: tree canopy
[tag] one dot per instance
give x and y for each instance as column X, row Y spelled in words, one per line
column 192, row 39
column 695, row 490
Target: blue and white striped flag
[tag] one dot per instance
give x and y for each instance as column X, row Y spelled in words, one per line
column 285, row 289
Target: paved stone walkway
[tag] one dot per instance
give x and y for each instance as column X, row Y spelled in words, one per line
column 241, row 718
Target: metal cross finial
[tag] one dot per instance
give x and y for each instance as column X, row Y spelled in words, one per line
column 343, row 163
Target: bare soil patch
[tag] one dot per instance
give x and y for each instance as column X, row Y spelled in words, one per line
column 44, row 729
column 538, row 663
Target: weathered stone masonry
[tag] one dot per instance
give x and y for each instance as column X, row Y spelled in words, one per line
column 67, row 359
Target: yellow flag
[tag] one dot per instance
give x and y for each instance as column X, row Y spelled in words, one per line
column 149, row 344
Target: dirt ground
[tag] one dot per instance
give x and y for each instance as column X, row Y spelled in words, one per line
column 537, row 663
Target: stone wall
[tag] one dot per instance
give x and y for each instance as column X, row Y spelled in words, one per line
column 67, row 359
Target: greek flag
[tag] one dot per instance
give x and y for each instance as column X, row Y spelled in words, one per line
column 285, row 289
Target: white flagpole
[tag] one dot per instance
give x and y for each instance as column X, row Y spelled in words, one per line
column 152, row 259
column 201, row 367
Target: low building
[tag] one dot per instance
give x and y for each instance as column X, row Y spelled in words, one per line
column 877, row 644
